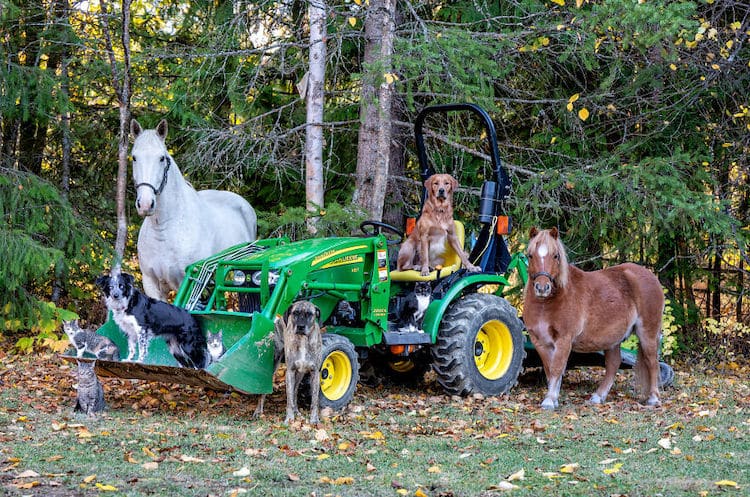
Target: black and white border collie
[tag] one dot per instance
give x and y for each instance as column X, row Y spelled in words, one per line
column 141, row 318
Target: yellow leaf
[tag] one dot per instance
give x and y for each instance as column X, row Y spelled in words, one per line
column 569, row 107
column 579, row 3
column 569, row 468
column 573, row 98
column 377, row 435
column 433, row 469
column 561, row 3
column 358, row 2
column 420, row 493
column 735, row 25
column 106, row 488
column 518, row 475
column 322, row 457
column 673, row 67
column 726, row 483
column 583, row 114
column 148, row 452
column 89, row 479
column 614, row 469
column 343, row 480
column 402, row 491
column 390, row 77
column 352, row 21
column 344, row 446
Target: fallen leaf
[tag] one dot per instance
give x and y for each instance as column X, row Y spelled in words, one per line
column 150, row 465
column 26, row 486
column 244, row 471
column 583, row 114
column 503, row 486
column 28, row 474
column 518, row 475
column 569, row 468
column 293, row 477
column 614, row 469
column 322, row 457
column 106, row 488
column 185, row 458
column 434, row 469
column 726, row 483
column 420, row 493
column 89, row 479
column 665, row 443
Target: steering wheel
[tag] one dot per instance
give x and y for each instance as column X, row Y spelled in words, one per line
column 376, row 228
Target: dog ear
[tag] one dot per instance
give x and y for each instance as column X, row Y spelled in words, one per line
column 454, row 184
column 317, row 313
column 129, row 278
column 102, row 282
column 428, row 182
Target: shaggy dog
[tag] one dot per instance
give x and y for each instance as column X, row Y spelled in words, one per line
column 141, row 318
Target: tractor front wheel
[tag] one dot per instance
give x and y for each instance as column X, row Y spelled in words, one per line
column 339, row 372
column 479, row 346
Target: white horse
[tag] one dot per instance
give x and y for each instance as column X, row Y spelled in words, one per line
column 180, row 225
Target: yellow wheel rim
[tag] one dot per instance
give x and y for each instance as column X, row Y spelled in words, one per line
column 335, row 375
column 402, row 366
column 493, row 350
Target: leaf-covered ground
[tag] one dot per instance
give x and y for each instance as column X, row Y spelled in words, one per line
column 160, row 439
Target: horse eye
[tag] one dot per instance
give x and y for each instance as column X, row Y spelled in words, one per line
column 557, row 257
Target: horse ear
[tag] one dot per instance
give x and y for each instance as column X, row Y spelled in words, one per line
column 161, row 129
column 533, row 232
column 554, row 233
column 135, row 129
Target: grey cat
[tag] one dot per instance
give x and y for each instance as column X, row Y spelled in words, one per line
column 90, row 392
column 215, row 344
column 88, row 341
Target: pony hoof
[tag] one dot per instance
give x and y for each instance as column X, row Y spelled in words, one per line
column 653, row 402
column 549, row 404
column 595, row 399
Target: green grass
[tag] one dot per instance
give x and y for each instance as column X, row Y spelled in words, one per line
column 159, row 439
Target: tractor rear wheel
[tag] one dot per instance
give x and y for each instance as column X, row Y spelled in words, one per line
column 339, row 372
column 479, row 346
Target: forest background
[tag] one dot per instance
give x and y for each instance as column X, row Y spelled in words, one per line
column 625, row 123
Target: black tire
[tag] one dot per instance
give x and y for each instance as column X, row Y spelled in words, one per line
column 339, row 372
column 479, row 346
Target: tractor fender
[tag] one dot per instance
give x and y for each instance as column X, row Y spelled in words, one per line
column 437, row 308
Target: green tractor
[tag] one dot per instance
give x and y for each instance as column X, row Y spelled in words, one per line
column 470, row 335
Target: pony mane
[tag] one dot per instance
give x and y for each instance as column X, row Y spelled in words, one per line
column 554, row 242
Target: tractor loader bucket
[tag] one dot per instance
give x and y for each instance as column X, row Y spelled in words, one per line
column 246, row 366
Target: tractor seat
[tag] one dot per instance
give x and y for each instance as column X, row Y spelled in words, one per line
column 452, row 262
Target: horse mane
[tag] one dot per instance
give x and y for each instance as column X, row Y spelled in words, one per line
column 552, row 238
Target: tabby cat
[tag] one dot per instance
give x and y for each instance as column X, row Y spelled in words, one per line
column 88, row 341
column 90, row 392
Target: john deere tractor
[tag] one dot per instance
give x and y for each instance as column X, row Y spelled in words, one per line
column 470, row 335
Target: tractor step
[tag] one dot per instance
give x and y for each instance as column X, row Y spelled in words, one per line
column 406, row 338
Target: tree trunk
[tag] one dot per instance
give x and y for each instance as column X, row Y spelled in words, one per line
column 374, row 147
column 121, row 83
column 315, row 101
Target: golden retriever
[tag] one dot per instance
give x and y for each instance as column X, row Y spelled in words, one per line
column 434, row 226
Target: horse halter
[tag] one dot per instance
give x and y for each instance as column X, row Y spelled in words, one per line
column 163, row 183
column 542, row 273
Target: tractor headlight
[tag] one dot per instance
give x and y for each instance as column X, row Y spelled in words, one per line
column 273, row 277
column 238, row 277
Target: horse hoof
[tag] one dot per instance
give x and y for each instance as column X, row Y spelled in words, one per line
column 595, row 399
column 653, row 402
column 549, row 404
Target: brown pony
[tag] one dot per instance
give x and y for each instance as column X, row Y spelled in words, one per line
column 566, row 309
